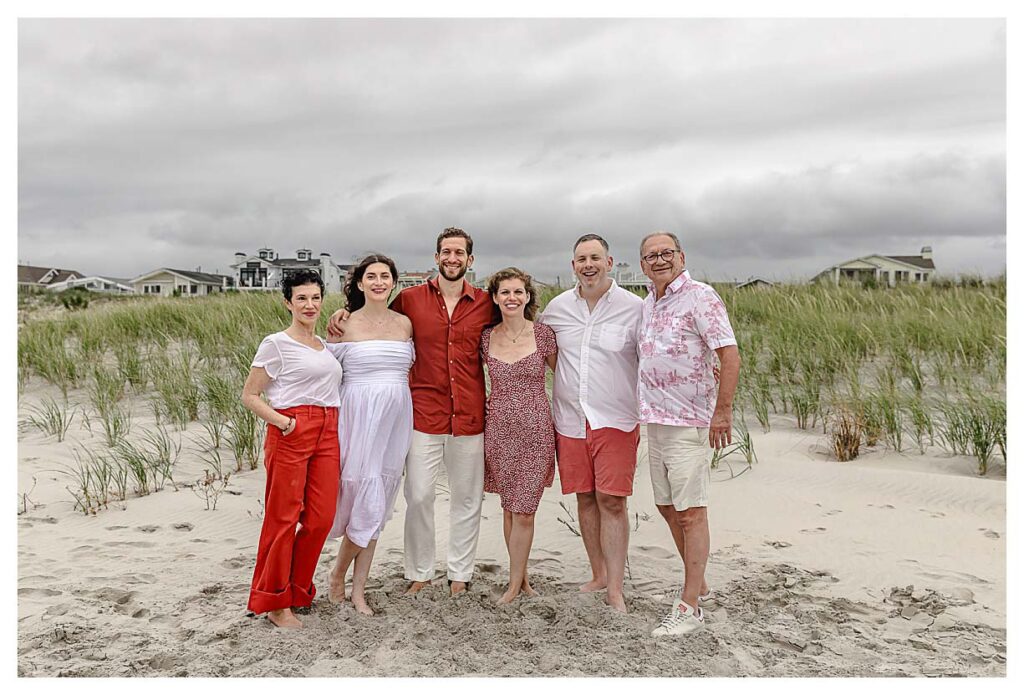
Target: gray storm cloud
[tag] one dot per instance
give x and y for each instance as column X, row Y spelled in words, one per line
column 772, row 147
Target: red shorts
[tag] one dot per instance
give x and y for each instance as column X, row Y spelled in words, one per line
column 604, row 461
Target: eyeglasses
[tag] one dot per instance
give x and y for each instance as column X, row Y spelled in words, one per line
column 666, row 256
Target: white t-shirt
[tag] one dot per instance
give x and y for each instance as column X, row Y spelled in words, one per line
column 299, row 374
column 595, row 379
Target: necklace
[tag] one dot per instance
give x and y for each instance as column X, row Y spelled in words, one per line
column 518, row 335
column 386, row 319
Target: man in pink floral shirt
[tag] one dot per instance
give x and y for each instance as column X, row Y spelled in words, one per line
column 684, row 329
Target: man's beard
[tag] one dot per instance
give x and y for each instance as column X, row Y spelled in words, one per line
column 444, row 273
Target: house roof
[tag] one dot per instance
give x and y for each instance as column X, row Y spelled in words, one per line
column 285, row 262
column 754, row 281
column 89, row 278
column 919, row 261
column 208, row 278
column 34, row 274
column 194, row 275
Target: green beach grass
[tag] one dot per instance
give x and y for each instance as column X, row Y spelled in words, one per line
column 908, row 368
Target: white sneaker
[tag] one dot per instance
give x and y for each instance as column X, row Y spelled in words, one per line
column 702, row 598
column 681, row 620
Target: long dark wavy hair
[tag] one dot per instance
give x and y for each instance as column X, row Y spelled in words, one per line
column 530, row 310
column 354, row 297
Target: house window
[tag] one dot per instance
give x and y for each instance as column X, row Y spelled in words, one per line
column 193, row 289
column 152, row 289
column 253, row 275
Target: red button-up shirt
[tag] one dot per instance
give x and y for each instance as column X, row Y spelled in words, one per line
column 447, row 379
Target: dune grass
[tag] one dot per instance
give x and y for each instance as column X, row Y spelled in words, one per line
column 918, row 366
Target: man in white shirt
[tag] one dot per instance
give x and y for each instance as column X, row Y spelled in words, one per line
column 597, row 428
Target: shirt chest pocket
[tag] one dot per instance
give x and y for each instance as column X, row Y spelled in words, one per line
column 465, row 339
column 612, row 337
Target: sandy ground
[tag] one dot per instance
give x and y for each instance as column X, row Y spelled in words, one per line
column 891, row 565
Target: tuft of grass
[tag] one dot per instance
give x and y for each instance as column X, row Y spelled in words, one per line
column 52, row 418
column 845, row 431
column 163, row 454
column 245, row 437
column 921, row 420
column 174, row 383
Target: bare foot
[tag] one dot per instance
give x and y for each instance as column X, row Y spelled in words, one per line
column 284, row 618
column 594, row 585
column 616, row 602
column 529, row 590
column 336, row 593
column 458, row 587
column 416, row 587
column 359, row 603
column 507, row 597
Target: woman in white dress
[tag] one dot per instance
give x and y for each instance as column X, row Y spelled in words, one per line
column 375, row 421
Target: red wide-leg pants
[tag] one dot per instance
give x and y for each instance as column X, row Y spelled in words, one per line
column 303, row 472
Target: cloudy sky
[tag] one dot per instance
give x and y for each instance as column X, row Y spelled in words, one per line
column 771, row 147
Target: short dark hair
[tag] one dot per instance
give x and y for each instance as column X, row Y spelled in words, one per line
column 354, row 297
column 591, row 237
column 450, row 232
column 530, row 310
column 304, row 276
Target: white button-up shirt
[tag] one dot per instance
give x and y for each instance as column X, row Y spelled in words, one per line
column 678, row 339
column 595, row 380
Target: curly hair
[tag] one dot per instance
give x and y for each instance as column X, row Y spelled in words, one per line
column 305, row 276
column 354, row 297
column 493, row 282
column 450, row 232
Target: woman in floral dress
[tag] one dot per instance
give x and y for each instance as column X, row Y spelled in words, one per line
column 519, row 434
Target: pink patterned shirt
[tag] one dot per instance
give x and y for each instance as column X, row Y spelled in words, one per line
column 679, row 334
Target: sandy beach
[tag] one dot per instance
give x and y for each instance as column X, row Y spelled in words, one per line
column 894, row 564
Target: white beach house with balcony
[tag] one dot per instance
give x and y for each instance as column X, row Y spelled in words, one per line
column 265, row 270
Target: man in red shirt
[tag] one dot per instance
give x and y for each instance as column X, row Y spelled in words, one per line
column 447, row 382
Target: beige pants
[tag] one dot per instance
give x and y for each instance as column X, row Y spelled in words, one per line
column 463, row 459
column 680, row 459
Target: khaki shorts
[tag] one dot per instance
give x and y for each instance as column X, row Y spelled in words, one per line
column 680, row 459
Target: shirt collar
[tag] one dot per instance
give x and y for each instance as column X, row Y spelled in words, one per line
column 609, row 293
column 674, row 286
column 467, row 289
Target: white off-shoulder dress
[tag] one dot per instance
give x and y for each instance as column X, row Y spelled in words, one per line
column 375, row 432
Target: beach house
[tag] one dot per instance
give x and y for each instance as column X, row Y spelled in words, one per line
column 169, row 282
column 43, row 276
column 94, row 283
column 265, row 270
column 882, row 270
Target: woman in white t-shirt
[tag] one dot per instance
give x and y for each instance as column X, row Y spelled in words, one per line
column 300, row 379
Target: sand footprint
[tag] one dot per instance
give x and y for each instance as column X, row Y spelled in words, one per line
column 32, row 592
column 657, row 552
column 131, row 544
column 816, row 530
